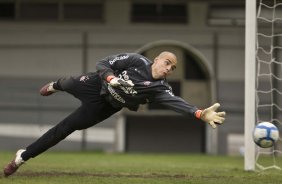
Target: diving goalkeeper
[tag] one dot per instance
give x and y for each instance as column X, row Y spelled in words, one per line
column 121, row 81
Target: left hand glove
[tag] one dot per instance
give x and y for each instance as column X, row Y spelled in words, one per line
column 210, row 116
column 115, row 81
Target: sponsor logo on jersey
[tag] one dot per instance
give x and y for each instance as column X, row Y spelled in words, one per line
column 118, row 59
column 115, row 94
column 128, row 90
column 124, row 75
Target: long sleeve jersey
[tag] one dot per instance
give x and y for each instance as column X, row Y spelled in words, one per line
column 137, row 68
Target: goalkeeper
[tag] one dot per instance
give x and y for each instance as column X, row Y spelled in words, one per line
column 123, row 80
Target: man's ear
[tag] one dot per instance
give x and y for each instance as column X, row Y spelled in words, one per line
column 156, row 59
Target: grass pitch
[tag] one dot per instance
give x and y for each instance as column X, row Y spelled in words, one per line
column 102, row 168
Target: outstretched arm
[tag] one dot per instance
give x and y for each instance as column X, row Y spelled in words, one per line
column 208, row 115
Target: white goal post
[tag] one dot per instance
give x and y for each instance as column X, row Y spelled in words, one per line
column 263, row 80
column 250, row 82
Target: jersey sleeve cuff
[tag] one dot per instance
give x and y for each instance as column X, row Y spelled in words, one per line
column 198, row 114
column 110, row 77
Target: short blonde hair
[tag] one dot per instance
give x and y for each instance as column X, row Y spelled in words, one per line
column 165, row 53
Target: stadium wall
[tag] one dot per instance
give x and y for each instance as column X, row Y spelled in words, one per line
column 35, row 52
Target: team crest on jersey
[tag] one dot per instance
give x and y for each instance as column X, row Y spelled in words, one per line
column 83, row 78
column 147, row 83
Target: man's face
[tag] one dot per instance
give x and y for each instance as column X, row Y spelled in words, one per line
column 164, row 65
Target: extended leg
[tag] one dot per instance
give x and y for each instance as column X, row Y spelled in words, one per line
column 84, row 117
column 79, row 119
column 93, row 110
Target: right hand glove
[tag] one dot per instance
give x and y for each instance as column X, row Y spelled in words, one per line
column 115, row 81
column 210, row 116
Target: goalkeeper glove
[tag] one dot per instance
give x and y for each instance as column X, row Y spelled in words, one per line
column 115, row 81
column 210, row 116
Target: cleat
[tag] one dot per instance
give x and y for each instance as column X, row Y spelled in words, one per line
column 13, row 166
column 47, row 89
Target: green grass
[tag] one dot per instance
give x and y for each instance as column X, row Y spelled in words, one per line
column 102, row 168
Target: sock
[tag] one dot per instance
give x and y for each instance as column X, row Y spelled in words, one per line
column 24, row 156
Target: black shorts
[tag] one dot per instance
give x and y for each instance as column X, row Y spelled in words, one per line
column 87, row 89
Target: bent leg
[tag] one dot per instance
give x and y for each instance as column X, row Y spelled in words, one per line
column 86, row 88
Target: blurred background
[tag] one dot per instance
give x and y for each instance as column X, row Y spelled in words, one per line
column 43, row 40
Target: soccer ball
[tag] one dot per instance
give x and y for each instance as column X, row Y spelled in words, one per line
column 265, row 134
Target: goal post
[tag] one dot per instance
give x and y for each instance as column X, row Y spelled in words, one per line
column 250, row 84
column 263, row 80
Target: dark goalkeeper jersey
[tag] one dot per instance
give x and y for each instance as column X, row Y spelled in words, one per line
column 137, row 68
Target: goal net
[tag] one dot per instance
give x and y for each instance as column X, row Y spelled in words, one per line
column 268, row 82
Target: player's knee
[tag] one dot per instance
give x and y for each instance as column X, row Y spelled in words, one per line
column 65, row 84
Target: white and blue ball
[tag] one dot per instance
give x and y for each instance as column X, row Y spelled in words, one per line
column 265, row 134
